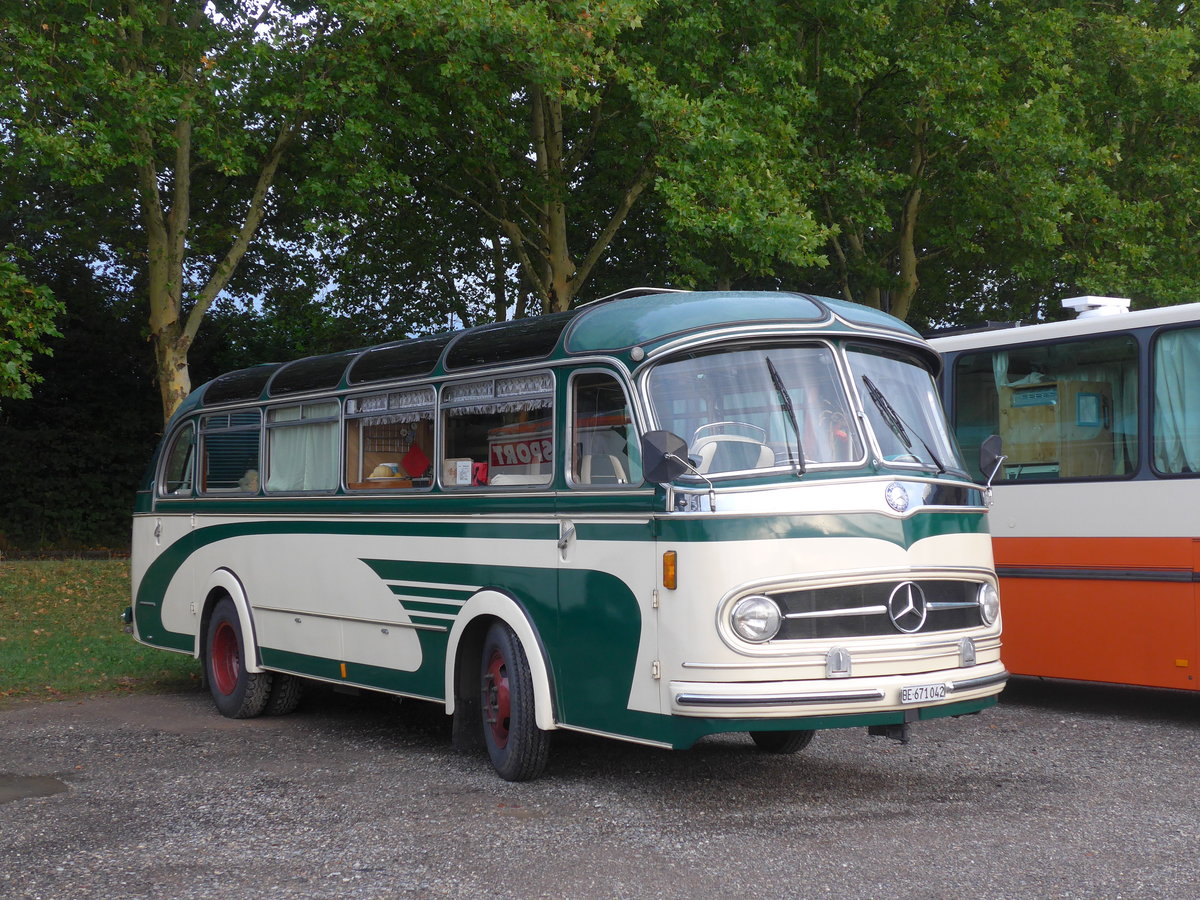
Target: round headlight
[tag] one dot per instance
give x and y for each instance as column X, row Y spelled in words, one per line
column 989, row 604
column 755, row 618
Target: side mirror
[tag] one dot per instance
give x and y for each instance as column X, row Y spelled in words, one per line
column 664, row 456
column 991, row 458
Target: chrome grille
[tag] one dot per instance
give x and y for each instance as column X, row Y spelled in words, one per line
column 861, row 610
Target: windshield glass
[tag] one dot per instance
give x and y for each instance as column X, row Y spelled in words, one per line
column 756, row 407
column 901, row 403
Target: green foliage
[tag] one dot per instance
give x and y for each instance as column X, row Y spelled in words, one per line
column 27, row 313
column 1034, row 150
column 459, row 161
column 726, row 82
column 60, row 634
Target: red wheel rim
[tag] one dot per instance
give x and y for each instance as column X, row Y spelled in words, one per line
column 496, row 707
column 226, row 658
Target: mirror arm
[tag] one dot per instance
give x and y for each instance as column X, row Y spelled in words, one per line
column 991, row 477
column 712, row 492
column 996, row 468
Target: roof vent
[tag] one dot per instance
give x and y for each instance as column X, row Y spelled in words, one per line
column 1088, row 307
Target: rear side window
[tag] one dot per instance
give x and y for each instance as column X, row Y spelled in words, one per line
column 1176, row 429
column 230, row 452
column 302, row 447
column 498, row 432
column 389, row 440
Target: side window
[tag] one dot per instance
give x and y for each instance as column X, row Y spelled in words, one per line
column 229, row 452
column 389, row 440
column 602, row 438
column 176, row 478
column 302, row 447
column 1064, row 410
column 498, row 431
column 1176, row 413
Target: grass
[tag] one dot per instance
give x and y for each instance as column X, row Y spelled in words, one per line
column 61, row 634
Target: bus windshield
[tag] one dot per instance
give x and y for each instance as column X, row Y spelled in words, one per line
column 757, row 407
column 902, row 405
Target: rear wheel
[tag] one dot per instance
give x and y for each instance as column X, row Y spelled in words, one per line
column 237, row 693
column 285, row 696
column 517, row 747
column 782, row 741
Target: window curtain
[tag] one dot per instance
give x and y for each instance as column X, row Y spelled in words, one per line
column 1177, row 402
column 303, row 458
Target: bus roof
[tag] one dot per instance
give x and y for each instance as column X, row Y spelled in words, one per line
column 1022, row 333
column 646, row 319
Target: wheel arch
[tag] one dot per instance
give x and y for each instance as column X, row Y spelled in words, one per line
column 465, row 646
column 224, row 583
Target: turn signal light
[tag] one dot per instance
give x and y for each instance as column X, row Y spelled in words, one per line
column 670, row 570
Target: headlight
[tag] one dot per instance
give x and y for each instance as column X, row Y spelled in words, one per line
column 989, row 604
column 755, row 619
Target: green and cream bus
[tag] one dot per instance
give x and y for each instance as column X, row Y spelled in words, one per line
column 656, row 517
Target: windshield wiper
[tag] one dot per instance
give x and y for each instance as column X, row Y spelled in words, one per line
column 896, row 423
column 785, row 401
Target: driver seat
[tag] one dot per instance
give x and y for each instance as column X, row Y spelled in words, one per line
column 731, row 453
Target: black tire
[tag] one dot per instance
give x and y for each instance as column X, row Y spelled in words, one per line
column 285, row 696
column 782, row 741
column 238, row 694
column 517, row 747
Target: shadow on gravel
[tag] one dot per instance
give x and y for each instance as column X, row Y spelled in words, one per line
column 719, row 766
column 1182, row 707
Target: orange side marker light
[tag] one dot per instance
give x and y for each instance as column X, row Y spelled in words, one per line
column 670, row 570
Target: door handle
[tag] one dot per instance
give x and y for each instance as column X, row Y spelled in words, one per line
column 566, row 531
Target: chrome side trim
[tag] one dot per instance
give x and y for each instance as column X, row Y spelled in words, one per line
column 646, row 742
column 888, row 653
column 777, row 699
column 971, row 684
column 303, row 613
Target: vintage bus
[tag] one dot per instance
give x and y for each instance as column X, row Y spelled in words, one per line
column 656, row 517
column 1095, row 538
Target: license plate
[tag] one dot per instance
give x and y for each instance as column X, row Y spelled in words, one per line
column 923, row 693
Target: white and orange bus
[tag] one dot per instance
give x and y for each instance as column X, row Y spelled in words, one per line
column 1095, row 530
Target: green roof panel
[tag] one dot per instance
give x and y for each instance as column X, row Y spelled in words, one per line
column 650, row 318
column 868, row 316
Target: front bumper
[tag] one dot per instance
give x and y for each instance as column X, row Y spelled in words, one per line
column 832, row 696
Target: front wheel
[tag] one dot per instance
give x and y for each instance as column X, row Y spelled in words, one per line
column 237, row 693
column 781, row 741
column 517, row 747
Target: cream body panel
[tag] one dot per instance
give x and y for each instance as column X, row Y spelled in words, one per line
column 692, row 647
column 1160, row 508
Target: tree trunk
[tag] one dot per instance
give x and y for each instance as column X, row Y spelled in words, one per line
column 907, row 237
column 548, row 145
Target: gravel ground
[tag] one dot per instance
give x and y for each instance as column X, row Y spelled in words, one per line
column 1063, row 790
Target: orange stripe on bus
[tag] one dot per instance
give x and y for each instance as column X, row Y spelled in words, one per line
column 1128, row 631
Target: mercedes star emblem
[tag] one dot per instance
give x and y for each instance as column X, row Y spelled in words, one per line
column 896, row 496
column 907, row 607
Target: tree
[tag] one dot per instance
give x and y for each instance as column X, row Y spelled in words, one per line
column 983, row 159
column 187, row 108
column 27, row 313
column 551, row 123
